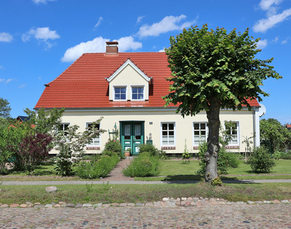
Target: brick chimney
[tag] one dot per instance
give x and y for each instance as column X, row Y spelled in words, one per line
column 111, row 47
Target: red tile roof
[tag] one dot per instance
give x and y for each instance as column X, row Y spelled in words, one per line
column 288, row 126
column 83, row 84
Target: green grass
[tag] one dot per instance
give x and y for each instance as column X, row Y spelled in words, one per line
column 107, row 193
column 176, row 170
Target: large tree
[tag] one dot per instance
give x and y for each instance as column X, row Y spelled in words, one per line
column 211, row 70
column 4, row 108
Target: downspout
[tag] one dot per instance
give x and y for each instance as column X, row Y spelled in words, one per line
column 256, row 127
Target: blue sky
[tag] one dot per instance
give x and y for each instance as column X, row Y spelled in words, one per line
column 39, row 39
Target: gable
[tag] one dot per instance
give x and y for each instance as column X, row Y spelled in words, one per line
column 128, row 76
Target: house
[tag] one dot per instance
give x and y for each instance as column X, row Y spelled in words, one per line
column 126, row 89
column 288, row 126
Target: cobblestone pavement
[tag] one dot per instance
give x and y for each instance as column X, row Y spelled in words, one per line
column 219, row 216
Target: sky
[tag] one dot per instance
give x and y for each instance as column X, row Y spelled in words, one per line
column 39, row 39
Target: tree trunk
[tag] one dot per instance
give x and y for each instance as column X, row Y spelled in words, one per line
column 213, row 140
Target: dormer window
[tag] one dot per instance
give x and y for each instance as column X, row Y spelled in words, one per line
column 120, row 93
column 137, row 93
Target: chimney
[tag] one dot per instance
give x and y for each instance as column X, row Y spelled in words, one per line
column 111, row 47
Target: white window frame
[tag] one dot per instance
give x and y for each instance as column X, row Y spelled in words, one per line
column 230, row 143
column 161, row 134
column 63, row 123
column 120, row 86
column 137, row 86
column 193, row 134
column 99, row 137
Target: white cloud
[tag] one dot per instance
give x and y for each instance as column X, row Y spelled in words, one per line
column 275, row 40
column 139, row 19
column 284, row 42
column 22, row 86
column 44, row 33
column 168, row 23
column 264, row 24
column 99, row 22
column 162, row 50
column 99, row 45
column 2, row 80
column 42, row 1
column 262, row 44
column 9, row 80
column 5, row 37
column 267, row 4
column 1, row 66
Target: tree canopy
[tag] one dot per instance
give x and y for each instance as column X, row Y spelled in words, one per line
column 4, row 108
column 213, row 69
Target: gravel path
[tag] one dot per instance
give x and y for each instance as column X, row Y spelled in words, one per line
column 227, row 216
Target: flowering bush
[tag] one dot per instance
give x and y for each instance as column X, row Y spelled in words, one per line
column 97, row 169
column 142, row 166
column 71, row 147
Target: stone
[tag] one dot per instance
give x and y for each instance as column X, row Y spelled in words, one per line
column 78, row 205
column 184, row 198
column 27, row 202
column 87, row 205
column 108, row 205
column 284, row 201
column 240, row 202
column 38, row 206
column 4, row 206
column 267, row 202
column 123, row 204
column 70, row 205
column 14, row 205
column 36, row 203
column 178, row 203
column 51, row 189
column 62, row 203
column 149, row 204
column 23, row 205
column 165, row 199
column 157, row 204
column 183, row 203
column 48, row 206
column 276, row 202
column 250, row 202
column 259, row 202
column 57, row 206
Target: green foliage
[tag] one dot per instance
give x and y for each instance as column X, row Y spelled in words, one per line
column 261, row 160
column 282, row 155
column 185, row 155
column 224, row 162
column 153, row 151
column 142, row 166
column 113, row 146
column 97, row 169
column 4, row 108
column 273, row 135
column 209, row 64
column 216, row 182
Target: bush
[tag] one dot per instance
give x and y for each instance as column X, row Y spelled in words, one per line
column 153, row 151
column 261, row 160
column 282, row 155
column 225, row 160
column 142, row 166
column 97, row 169
column 112, row 146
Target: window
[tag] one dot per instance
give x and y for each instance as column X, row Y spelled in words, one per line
column 137, row 93
column 120, row 93
column 168, row 134
column 94, row 141
column 232, row 130
column 200, row 133
column 64, row 127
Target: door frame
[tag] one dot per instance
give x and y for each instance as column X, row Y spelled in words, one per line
column 121, row 137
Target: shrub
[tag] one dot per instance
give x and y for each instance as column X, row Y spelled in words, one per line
column 282, row 155
column 142, row 166
column 112, row 146
column 153, row 151
column 224, row 160
column 261, row 160
column 97, row 169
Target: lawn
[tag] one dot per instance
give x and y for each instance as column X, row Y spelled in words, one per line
column 177, row 170
column 107, row 193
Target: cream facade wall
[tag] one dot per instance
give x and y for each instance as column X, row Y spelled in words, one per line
column 153, row 119
column 128, row 77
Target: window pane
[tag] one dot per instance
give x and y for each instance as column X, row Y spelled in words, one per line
column 171, row 126
column 122, row 90
column 164, row 126
column 196, row 126
column 123, row 96
column 203, row 126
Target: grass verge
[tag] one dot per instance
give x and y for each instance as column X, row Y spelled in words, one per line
column 107, row 193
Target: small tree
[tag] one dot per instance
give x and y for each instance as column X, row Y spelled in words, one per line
column 4, row 108
column 34, row 149
column 71, row 144
column 212, row 70
column 274, row 136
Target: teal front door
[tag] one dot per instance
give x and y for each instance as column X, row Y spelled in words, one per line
column 132, row 135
